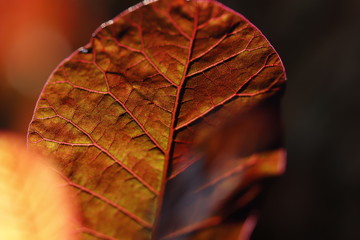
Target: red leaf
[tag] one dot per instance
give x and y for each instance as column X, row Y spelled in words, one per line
column 166, row 122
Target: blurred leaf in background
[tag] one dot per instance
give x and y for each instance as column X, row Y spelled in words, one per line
column 34, row 203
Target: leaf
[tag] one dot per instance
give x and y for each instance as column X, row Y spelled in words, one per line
column 166, row 122
column 33, row 204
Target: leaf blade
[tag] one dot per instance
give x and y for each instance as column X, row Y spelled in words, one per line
column 124, row 107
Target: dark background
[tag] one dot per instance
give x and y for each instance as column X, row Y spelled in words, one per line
column 319, row 43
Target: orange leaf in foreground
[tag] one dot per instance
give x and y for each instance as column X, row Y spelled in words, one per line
column 33, row 204
column 166, row 123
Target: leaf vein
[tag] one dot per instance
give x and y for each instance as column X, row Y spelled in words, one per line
column 153, row 190
column 226, row 99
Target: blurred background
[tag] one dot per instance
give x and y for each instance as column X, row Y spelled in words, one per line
column 319, row 43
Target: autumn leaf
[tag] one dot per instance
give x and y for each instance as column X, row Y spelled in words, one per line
column 166, row 123
column 34, row 205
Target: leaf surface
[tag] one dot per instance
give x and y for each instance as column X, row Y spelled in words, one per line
column 128, row 116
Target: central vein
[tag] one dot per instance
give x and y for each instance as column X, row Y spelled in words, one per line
column 175, row 113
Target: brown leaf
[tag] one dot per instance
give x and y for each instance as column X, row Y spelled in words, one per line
column 166, row 122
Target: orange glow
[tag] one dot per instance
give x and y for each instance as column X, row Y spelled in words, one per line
column 34, row 205
column 35, row 35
